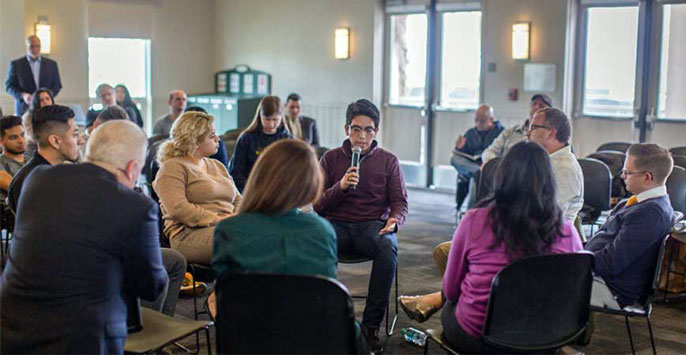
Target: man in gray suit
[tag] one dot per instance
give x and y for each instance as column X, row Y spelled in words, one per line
column 84, row 242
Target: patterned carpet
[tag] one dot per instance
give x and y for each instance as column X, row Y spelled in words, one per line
column 431, row 222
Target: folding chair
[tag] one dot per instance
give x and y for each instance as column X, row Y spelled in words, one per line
column 284, row 314
column 644, row 309
column 537, row 304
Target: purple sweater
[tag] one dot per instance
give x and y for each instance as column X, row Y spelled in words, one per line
column 472, row 265
column 380, row 194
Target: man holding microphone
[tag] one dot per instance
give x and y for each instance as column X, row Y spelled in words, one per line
column 366, row 206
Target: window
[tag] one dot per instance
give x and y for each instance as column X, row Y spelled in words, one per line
column 407, row 59
column 119, row 61
column 461, row 60
column 609, row 81
column 672, row 90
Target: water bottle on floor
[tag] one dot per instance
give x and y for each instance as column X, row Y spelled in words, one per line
column 414, row 336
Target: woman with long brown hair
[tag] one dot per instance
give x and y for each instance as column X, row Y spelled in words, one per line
column 266, row 128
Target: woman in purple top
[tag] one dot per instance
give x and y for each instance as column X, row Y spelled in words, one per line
column 520, row 219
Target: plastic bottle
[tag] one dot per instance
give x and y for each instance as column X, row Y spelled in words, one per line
column 414, row 336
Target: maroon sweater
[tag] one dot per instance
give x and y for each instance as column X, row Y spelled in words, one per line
column 380, row 194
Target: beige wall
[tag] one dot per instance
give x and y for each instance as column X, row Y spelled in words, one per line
column 293, row 40
column 548, row 25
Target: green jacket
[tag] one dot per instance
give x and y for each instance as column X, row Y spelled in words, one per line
column 290, row 243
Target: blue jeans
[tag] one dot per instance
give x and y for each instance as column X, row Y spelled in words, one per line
column 465, row 170
column 362, row 238
column 465, row 167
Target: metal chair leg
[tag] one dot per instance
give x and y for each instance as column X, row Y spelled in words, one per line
column 669, row 270
column 426, row 347
column 652, row 340
column 209, row 346
column 631, row 339
column 389, row 331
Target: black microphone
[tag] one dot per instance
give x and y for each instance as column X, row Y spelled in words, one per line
column 355, row 161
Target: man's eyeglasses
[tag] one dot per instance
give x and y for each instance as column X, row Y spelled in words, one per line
column 627, row 173
column 533, row 127
column 357, row 129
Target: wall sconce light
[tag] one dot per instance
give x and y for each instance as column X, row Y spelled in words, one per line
column 42, row 31
column 521, row 40
column 342, row 43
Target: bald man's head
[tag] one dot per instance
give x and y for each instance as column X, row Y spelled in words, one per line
column 33, row 46
column 483, row 119
column 117, row 143
column 177, row 101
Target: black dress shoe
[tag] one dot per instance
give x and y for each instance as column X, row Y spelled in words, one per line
column 376, row 345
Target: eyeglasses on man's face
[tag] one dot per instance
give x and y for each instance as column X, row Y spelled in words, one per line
column 629, row 173
column 357, row 129
column 533, row 127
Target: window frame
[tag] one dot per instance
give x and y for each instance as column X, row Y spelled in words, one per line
column 438, row 105
column 421, row 10
column 656, row 58
column 581, row 50
column 145, row 102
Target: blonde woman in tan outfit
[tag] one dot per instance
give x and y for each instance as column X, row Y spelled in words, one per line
column 196, row 192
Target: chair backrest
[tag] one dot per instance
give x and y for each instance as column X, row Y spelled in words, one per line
column 597, row 183
column 151, row 167
column 229, row 139
column 540, row 302
column 486, row 177
column 615, row 161
column 284, row 314
column 676, row 189
column 679, row 160
column 678, row 150
column 618, row 146
column 648, row 301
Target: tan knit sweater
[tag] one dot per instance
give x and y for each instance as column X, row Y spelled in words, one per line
column 189, row 197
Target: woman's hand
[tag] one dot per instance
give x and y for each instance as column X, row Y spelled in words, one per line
column 222, row 216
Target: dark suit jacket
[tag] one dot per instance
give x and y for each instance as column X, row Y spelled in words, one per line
column 20, row 80
column 81, row 243
column 310, row 134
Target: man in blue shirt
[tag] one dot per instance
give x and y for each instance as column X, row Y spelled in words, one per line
column 627, row 245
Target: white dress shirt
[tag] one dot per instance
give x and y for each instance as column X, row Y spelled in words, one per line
column 652, row 193
column 35, row 69
column 570, row 182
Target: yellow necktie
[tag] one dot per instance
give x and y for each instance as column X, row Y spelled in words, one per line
column 633, row 199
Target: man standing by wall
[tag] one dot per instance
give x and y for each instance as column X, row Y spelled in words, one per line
column 366, row 207
column 29, row 73
column 177, row 104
